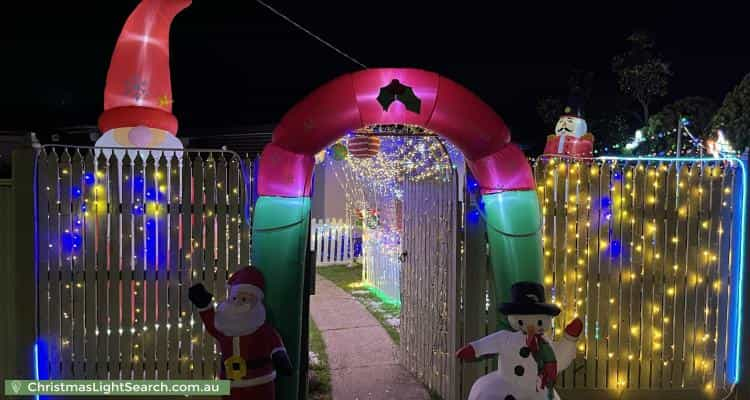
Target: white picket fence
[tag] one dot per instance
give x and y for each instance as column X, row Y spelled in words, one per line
column 331, row 240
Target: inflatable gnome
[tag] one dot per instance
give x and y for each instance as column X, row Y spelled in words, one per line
column 138, row 92
column 528, row 362
column 251, row 349
column 571, row 136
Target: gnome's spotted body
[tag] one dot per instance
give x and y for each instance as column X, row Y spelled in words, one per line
column 528, row 362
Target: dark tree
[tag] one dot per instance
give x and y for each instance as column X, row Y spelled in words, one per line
column 611, row 132
column 697, row 111
column 733, row 117
column 549, row 110
column 641, row 73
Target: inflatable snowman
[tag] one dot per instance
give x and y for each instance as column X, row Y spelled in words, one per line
column 528, row 362
column 571, row 137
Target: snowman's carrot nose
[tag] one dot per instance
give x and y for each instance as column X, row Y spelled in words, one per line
column 531, row 330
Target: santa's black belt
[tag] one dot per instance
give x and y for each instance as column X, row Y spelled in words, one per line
column 258, row 363
column 253, row 364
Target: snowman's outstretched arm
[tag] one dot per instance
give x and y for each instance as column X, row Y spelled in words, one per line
column 490, row 344
column 565, row 348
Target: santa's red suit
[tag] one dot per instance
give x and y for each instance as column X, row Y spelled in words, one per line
column 251, row 349
column 256, row 349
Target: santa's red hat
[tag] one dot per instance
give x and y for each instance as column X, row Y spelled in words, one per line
column 138, row 89
column 247, row 279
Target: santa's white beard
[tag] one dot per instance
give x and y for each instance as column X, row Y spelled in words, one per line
column 233, row 320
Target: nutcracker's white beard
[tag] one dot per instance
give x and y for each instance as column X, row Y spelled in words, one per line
column 234, row 320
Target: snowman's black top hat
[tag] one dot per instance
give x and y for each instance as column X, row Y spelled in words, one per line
column 528, row 298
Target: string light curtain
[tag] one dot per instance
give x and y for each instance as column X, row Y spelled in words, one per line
column 642, row 251
column 121, row 240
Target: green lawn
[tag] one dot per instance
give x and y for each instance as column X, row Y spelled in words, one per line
column 320, row 385
column 350, row 279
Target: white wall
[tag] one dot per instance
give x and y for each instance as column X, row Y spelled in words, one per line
column 329, row 198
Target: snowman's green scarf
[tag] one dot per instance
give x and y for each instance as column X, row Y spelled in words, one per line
column 544, row 355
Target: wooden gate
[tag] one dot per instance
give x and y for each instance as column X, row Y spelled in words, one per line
column 122, row 238
column 428, row 284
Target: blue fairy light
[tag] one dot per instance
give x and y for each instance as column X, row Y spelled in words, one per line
column 89, row 178
column 615, row 249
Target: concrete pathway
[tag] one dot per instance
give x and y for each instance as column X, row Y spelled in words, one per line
column 361, row 355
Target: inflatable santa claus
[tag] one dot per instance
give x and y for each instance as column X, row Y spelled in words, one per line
column 251, row 349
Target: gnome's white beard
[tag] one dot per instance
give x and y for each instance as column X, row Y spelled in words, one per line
column 233, row 320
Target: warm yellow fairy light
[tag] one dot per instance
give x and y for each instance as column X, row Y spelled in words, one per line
column 670, row 291
column 634, row 331
column 548, row 279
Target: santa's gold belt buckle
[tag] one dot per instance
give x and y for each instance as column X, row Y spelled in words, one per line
column 235, row 367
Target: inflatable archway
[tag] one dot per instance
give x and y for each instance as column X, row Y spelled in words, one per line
column 387, row 96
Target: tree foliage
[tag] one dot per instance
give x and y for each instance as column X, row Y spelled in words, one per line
column 611, row 131
column 698, row 111
column 641, row 73
column 549, row 109
column 733, row 117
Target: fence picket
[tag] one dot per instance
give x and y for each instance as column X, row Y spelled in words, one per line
column 43, row 294
column 161, row 330
column 188, row 319
column 76, row 265
column 173, row 267
column 66, row 272
column 235, row 217
column 209, row 254
column 126, row 210
column 113, row 242
column 197, row 257
column 89, row 259
column 139, row 257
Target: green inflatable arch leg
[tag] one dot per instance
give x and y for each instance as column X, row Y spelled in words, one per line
column 514, row 234
column 280, row 230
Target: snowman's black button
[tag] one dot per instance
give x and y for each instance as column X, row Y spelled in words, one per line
column 510, row 397
column 525, row 352
column 518, row 370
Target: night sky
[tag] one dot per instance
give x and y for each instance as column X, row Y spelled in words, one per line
column 236, row 65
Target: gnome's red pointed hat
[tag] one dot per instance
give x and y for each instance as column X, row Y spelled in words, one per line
column 247, row 279
column 138, row 91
